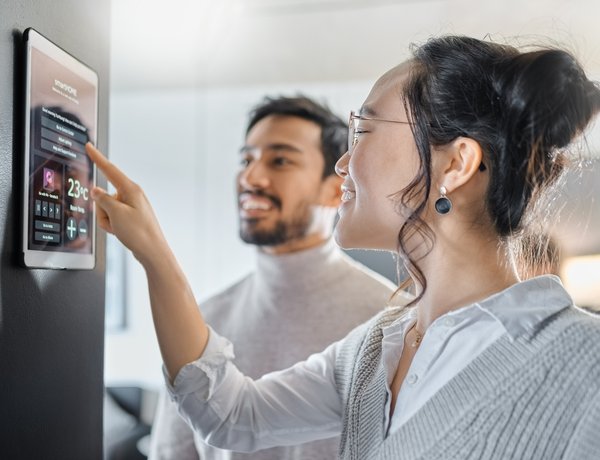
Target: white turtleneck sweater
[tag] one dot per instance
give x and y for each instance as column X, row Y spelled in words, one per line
column 293, row 305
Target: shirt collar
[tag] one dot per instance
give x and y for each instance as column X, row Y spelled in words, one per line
column 520, row 308
column 523, row 306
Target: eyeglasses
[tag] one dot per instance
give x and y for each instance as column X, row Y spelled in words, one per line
column 354, row 132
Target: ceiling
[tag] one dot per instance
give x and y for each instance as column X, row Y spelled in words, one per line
column 186, row 43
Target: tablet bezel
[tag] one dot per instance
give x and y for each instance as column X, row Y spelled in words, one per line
column 54, row 259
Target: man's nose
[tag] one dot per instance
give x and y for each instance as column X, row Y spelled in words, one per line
column 254, row 176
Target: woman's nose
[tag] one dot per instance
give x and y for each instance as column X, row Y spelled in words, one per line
column 341, row 167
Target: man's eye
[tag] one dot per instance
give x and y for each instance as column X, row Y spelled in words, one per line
column 281, row 161
column 244, row 162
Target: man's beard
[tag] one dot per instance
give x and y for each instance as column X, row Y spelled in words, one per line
column 282, row 232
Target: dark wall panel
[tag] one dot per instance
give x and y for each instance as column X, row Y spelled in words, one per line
column 51, row 322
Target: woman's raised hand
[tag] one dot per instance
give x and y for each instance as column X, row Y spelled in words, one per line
column 181, row 331
column 127, row 214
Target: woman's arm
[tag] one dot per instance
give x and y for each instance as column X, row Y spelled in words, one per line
column 181, row 331
column 226, row 408
column 231, row 411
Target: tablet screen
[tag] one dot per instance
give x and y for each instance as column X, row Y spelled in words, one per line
column 61, row 116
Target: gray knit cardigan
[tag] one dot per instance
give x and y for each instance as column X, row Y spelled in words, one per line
column 534, row 397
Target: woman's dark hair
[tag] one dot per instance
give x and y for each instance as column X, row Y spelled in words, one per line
column 334, row 132
column 523, row 108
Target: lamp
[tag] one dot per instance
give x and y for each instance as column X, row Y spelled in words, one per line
column 581, row 278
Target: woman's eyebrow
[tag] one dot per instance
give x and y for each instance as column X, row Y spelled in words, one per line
column 367, row 110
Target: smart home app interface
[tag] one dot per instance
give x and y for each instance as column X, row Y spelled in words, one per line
column 62, row 119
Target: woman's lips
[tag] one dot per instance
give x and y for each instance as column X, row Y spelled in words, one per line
column 347, row 194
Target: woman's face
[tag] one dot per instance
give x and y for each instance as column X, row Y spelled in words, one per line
column 382, row 162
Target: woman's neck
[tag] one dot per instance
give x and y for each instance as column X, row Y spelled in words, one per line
column 458, row 275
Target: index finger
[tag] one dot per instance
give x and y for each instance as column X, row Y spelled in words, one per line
column 112, row 173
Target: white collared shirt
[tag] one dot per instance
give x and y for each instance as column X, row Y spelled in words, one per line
column 301, row 403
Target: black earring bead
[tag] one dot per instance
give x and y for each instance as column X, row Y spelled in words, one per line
column 443, row 205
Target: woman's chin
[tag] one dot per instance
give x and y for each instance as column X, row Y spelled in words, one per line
column 345, row 240
column 341, row 238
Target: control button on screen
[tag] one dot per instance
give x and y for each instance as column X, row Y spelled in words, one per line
column 83, row 230
column 47, row 226
column 71, row 229
column 47, row 237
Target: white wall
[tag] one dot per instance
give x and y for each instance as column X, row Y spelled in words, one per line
column 182, row 147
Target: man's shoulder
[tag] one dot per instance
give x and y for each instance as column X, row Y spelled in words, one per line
column 364, row 282
column 230, row 292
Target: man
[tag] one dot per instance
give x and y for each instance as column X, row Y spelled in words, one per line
column 305, row 293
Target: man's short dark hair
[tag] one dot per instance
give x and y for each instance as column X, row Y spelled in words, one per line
column 334, row 132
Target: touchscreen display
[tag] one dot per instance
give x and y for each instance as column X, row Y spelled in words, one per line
column 62, row 107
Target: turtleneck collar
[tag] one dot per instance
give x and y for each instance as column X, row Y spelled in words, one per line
column 299, row 268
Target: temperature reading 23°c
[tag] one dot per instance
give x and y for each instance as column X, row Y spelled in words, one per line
column 76, row 190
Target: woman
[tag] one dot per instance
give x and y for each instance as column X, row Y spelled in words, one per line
column 446, row 159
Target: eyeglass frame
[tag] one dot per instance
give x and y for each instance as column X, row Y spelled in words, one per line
column 353, row 138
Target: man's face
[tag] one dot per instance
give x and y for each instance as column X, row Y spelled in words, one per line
column 280, row 180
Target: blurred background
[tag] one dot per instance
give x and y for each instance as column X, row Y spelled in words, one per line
column 185, row 73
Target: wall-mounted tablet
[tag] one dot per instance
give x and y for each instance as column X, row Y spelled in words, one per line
column 61, row 115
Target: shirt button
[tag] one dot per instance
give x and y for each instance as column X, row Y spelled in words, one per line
column 412, row 379
column 449, row 322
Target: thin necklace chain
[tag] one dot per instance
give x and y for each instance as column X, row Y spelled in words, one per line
column 418, row 338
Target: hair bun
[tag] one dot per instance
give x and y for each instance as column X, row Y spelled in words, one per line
column 549, row 97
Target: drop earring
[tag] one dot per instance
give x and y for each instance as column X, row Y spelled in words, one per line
column 443, row 205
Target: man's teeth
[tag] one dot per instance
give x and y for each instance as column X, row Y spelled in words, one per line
column 348, row 195
column 251, row 205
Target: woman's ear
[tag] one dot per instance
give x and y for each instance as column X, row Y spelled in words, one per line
column 460, row 162
column 331, row 191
